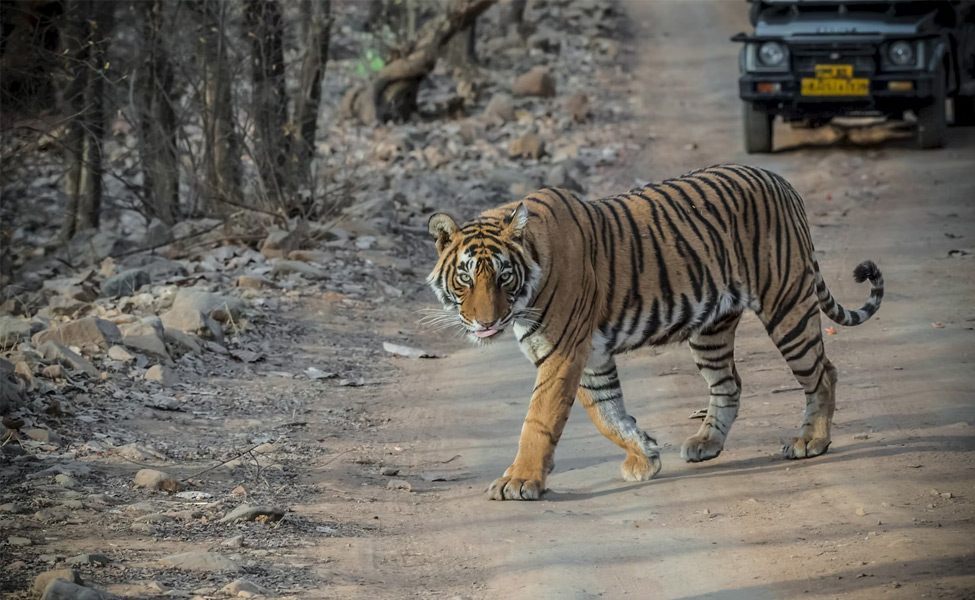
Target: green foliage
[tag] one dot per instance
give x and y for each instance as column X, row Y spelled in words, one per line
column 371, row 63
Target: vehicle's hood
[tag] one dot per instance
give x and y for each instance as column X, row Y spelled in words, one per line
column 850, row 23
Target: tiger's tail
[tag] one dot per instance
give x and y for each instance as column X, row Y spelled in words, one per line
column 864, row 271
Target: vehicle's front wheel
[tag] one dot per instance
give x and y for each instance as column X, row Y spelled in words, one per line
column 758, row 129
column 932, row 118
column 964, row 111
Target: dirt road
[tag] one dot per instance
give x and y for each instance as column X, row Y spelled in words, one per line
column 888, row 513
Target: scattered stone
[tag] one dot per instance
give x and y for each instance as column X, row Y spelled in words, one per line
column 63, row 306
column 190, row 320
column 125, row 283
column 53, row 372
column 246, row 512
column 389, row 471
column 577, row 107
column 220, row 308
column 499, row 109
column 947, row 495
column 13, row 330
column 18, row 541
column 527, row 146
column 62, row 589
column 200, row 561
column 306, row 270
column 13, row 508
column 162, row 375
column 180, row 343
column 194, row 495
column 157, row 234
column 861, row 436
column 99, row 560
column 138, row 452
column 279, row 242
column 314, row 373
column 43, row 579
column 536, row 82
column 65, row 480
column 43, row 435
column 51, row 350
column 157, row 480
column 399, row 484
column 439, row 476
column 559, row 176
column 408, row 352
column 253, row 283
column 87, row 331
column 235, row 542
column 352, row 382
column 121, row 354
column 861, row 512
column 146, row 337
column 244, row 588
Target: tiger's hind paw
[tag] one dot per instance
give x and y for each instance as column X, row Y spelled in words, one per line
column 803, row 448
column 512, row 488
column 637, row 467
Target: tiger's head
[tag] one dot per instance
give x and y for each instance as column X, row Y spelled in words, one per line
column 484, row 276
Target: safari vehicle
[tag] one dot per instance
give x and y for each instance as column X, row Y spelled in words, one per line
column 809, row 61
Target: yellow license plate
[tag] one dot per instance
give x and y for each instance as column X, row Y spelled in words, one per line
column 835, row 80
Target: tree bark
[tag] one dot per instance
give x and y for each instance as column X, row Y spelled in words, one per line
column 222, row 165
column 270, row 103
column 392, row 95
column 318, row 21
column 460, row 52
column 87, row 28
column 157, row 119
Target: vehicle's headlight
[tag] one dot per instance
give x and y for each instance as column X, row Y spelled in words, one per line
column 901, row 53
column 771, row 54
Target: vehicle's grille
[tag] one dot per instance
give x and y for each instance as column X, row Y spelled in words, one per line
column 805, row 57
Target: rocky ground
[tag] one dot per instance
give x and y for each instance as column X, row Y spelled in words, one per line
column 158, row 382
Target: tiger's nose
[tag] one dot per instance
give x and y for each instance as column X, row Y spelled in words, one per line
column 486, row 324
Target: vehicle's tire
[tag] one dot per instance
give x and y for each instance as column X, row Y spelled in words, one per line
column 932, row 119
column 964, row 111
column 757, row 129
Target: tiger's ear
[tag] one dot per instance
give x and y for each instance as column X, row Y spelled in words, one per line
column 514, row 224
column 442, row 228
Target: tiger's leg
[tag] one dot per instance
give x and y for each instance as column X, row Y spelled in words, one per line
column 799, row 338
column 555, row 390
column 713, row 350
column 601, row 395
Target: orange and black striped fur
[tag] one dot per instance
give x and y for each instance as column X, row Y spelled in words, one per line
column 580, row 282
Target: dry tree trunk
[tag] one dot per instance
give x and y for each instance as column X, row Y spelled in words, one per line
column 223, row 169
column 392, row 96
column 270, row 103
column 318, row 25
column 86, row 33
column 157, row 119
column 460, row 51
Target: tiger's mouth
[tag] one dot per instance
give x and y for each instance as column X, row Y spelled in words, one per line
column 486, row 333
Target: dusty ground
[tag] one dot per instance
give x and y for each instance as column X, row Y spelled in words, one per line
column 887, row 513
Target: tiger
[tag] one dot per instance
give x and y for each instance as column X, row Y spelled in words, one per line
column 580, row 282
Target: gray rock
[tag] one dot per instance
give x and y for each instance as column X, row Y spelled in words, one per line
column 43, row 579
column 146, row 337
column 54, row 351
column 125, row 283
column 180, row 342
column 87, row 331
column 234, row 588
column 235, row 542
column 200, row 561
column 65, row 480
column 62, row 589
column 162, row 375
column 89, row 559
column 246, row 512
column 121, row 354
column 157, row 480
column 43, row 435
column 398, row 484
column 15, row 540
column 190, row 320
column 219, row 307
column 306, row 270
column 13, row 330
column 159, row 268
column 157, row 234
column 536, row 82
column 63, row 306
column 499, row 109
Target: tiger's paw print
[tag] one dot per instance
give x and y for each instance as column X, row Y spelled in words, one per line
column 638, row 467
column 513, row 488
column 803, row 448
column 698, row 448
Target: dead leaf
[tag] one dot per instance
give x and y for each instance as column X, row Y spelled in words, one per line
column 938, row 325
column 830, row 331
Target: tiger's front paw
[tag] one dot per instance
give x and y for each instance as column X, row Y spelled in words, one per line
column 701, row 447
column 513, row 488
column 801, row 447
column 640, row 467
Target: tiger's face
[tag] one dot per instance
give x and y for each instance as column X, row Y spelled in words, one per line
column 484, row 277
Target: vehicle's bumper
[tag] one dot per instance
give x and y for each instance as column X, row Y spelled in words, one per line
column 789, row 101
